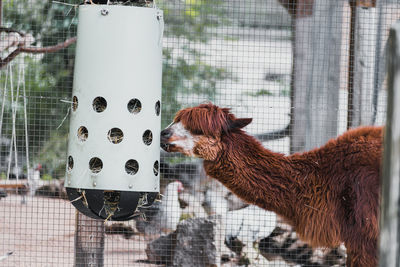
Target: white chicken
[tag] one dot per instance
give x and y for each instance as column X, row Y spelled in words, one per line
column 249, row 224
column 243, row 227
column 215, row 202
column 162, row 216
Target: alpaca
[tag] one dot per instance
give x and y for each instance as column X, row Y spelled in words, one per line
column 329, row 195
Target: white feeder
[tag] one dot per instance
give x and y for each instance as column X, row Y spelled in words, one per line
column 113, row 151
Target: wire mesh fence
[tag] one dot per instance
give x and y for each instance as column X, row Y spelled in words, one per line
column 305, row 71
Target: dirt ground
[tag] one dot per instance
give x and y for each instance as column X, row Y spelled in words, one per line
column 41, row 233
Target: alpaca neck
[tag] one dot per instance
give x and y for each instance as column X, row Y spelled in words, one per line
column 257, row 175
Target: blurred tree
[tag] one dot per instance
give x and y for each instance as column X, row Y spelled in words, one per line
column 184, row 70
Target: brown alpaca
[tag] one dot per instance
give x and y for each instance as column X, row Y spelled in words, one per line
column 329, row 195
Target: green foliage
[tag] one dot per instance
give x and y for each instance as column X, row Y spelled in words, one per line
column 193, row 19
column 285, row 92
column 262, row 92
column 53, row 154
column 186, row 216
column 44, row 114
column 186, row 73
column 49, row 77
column 46, row 177
column 184, row 77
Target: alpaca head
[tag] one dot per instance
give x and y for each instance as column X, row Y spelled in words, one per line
column 198, row 131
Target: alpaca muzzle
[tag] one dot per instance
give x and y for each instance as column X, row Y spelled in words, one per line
column 165, row 146
column 164, row 139
column 176, row 138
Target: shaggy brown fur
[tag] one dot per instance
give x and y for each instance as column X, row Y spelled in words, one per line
column 329, row 195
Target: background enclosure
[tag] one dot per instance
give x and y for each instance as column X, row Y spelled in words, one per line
column 304, row 70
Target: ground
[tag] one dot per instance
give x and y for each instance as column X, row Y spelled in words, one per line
column 41, row 233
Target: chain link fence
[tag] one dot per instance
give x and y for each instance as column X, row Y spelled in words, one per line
column 305, row 71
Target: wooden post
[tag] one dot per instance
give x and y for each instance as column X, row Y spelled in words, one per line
column 301, row 55
column 390, row 216
column 316, row 72
column 89, row 242
column 324, row 78
column 361, row 82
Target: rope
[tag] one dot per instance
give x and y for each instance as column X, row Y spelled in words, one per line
column 26, row 127
column 14, row 120
column 65, row 117
column 12, row 136
column 3, row 103
column 14, row 107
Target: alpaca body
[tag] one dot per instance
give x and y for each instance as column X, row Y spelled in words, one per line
column 329, row 195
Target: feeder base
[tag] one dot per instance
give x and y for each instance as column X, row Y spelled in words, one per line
column 109, row 205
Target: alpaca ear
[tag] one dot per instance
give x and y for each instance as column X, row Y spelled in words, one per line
column 239, row 123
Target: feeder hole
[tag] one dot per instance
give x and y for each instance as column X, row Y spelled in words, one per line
column 134, row 106
column 99, row 104
column 83, row 133
column 158, row 108
column 131, row 167
column 147, row 137
column 115, row 135
column 155, row 168
column 74, row 103
column 70, row 163
column 95, row 165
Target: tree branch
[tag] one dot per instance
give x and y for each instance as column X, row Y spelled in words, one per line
column 48, row 49
column 36, row 50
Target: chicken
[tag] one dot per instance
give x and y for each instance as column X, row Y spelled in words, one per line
column 249, row 224
column 193, row 205
column 215, row 202
column 162, row 216
column 243, row 227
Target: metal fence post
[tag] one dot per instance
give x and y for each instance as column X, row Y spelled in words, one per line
column 390, row 219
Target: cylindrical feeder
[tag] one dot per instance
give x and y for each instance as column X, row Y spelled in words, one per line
column 113, row 151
